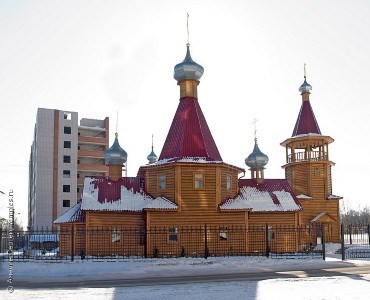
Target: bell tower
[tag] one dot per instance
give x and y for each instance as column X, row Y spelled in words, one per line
column 308, row 169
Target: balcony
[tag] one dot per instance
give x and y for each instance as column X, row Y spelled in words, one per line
column 92, row 140
column 90, row 153
column 91, row 168
column 307, row 156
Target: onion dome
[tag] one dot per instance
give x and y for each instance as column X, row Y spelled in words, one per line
column 305, row 87
column 152, row 157
column 115, row 155
column 188, row 69
column 256, row 160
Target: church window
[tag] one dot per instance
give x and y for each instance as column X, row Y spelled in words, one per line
column 228, row 182
column 223, row 233
column 161, row 182
column 198, row 180
column 172, row 234
column 116, row 235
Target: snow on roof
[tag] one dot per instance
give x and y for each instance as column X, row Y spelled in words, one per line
column 303, row 196
column 317, row 217
column 334, row 197
column 161, row 203
column 198, row 160
column 306, row 135
column 101, row 193
column 74, row 214
column 271, row 195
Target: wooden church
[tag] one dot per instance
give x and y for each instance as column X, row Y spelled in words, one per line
column 189, row 186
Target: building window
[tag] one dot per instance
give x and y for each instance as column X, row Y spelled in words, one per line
column 66, row 173
column 228, row 182
column 161, row 182
column 223, row 233
column 317, row 171
column 67, row 144
column 172, row 234
column 199, row 180
column 78, row 175
column 116, row 235
column 67, row 130
column 78, row 190
column 66, row 188
column 66, row 203
column 67, row 116
column 66, row 159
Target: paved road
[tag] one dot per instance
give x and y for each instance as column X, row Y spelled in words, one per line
column 149, row 281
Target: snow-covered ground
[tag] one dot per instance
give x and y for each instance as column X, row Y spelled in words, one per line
column 300, row 287
column 351, row 288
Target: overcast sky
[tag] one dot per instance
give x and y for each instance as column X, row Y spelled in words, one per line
column 100, row 57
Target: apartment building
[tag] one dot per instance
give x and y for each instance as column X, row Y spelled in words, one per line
column 63, row 152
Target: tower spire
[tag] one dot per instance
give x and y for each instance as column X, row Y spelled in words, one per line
column 188, row 72
column 117, row 124
column 255, row 128
column 187, row 28
column 305, row 88
column 257, row 160
column 152, row 158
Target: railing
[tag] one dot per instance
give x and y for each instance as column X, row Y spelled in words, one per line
column 161, row 242
column 355, row 241
column 309, row 155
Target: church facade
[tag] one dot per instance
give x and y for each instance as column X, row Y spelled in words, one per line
column 189, row 187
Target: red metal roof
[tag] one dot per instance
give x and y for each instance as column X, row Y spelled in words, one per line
column 270, row 186
column 306, row 122
column 110, row 190
column 189, row 134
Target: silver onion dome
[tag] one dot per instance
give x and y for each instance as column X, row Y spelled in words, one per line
column 152, row 157
column 305, row 87
column 115, row 155
column 188, row 69
column 256, row 159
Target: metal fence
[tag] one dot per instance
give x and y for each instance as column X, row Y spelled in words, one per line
column 173, row 241
column 355, row 240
